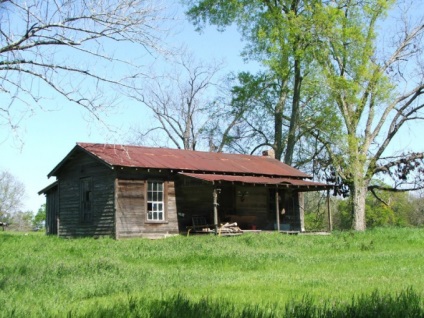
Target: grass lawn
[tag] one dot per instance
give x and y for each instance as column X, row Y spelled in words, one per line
column 253, row 275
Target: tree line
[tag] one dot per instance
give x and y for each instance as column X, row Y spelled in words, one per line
column 400, row 209
column 12, row 214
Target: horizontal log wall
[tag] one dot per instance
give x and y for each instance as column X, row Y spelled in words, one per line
column 52, row 208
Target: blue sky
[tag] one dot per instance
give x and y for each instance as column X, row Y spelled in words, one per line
column 48, row 136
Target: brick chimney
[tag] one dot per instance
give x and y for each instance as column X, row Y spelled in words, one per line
column 270, row 153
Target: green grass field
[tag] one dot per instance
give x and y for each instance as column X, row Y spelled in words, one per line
column 253, row 275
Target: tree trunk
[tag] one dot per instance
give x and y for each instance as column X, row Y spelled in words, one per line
column 291, row 140
column 278, row 127
column 359, row 193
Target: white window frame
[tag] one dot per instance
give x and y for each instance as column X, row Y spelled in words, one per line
column 155, row 201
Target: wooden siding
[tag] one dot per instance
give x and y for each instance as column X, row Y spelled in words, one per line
column 52, row 208
column 292, row 209
column 102, row 222
column 119, row 206
column 193, row 198
column 131, row 218
column 249, row 206
column 253, row 202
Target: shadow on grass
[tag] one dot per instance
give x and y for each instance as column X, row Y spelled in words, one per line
column 406, row 304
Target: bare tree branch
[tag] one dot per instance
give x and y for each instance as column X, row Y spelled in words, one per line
column 53, row 47
column 179, row 99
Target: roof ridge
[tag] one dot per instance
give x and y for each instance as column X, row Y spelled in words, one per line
column 135, row 156
column 175, row 149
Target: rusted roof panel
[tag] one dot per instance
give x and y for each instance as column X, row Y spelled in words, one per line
column 296, row 183
column 187, row 160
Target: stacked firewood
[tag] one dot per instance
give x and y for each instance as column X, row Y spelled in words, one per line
column 229, row 228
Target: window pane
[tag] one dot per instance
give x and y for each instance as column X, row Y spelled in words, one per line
column 155, row 204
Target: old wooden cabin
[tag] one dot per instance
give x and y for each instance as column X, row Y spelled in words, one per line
column 130, row 191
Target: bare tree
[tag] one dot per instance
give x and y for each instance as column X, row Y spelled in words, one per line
column 12, row 192
column 50, row 49
column 180, row 101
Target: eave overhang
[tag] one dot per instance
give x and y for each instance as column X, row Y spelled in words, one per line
column 279, row 182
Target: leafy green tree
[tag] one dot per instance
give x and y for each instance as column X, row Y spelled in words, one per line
column 278, row 35
column 255, row 117
column 329, row 53
column 22, row 221
column 40, row 217
column 316, row 211
column 382, row 208
column 375, row 92
column 12, row 192
column 416, row 213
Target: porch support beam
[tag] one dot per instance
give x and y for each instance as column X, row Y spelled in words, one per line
column 215, row 210
column 277, row 209
column 330, row 219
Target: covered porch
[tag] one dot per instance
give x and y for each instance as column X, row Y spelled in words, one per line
column 255, row 203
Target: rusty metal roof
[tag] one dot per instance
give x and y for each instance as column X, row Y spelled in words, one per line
column 185, row 160
column 304, row 185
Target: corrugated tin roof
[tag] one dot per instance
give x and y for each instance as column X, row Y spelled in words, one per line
column 186, row 160
column 301, row 184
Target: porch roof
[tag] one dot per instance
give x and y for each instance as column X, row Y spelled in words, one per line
column 302, row 185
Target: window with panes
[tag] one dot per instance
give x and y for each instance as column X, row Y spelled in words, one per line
column 155, row 201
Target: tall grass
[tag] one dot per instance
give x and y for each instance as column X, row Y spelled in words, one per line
column 266, row 275
column 405, row 304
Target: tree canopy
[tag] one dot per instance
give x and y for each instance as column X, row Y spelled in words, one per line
column 12, row 192
column 337, row 61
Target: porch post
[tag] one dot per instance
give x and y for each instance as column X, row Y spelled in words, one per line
column 277, row 209
column 330, row 220
column 215, row 210
column 301, row 196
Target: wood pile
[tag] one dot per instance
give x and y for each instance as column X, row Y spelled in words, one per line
column 229, row 229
